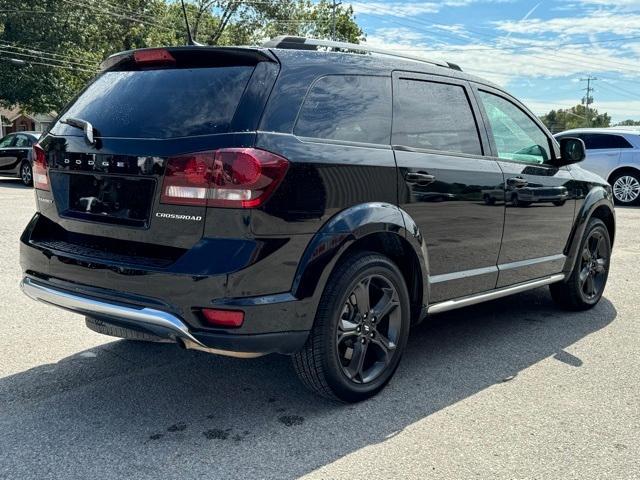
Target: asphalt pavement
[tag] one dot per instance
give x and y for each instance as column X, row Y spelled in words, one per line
column 510, row 389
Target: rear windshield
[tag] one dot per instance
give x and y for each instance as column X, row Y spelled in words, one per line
column 162, row 103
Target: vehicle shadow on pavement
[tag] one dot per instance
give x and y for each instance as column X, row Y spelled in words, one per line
column 12, row 183
column 128, row 409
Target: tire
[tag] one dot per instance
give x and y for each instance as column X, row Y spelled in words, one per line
column 26, row 173
column 626, row 188
column 344, row 333
column 516, row 202
column 489, row 200
column 592, row 266
column 559, row 203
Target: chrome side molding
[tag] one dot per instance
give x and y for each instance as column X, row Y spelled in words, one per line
column 170, row 326
column 492, row 295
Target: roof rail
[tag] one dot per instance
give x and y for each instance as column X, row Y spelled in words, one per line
column 303, row 43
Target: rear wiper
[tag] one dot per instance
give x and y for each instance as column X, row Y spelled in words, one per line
column 84, row 125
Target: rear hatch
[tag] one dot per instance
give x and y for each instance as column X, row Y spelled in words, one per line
column 125, row 160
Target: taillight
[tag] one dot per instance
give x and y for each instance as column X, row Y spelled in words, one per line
column 153, row 56
column 223, row 318
column 230, row 178
column 40, row 177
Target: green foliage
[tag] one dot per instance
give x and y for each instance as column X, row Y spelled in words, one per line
column 72, row 37
column 628, row 123
column 575, row 117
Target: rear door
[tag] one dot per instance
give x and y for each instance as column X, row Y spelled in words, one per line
column 540, row 201
column 151, row 120
column 444, row 179
column 8, row 155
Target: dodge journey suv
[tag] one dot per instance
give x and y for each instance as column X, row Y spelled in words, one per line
column 247, row 201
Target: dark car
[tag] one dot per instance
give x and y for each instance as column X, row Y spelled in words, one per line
column 245, row 201
column 16, row 150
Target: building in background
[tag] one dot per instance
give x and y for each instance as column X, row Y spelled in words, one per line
column 16, row 120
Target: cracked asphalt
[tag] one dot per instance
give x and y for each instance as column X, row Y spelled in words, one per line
column 511, row 389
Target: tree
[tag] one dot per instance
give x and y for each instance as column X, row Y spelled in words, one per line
column 236, row 22
column 49, row 49
column 628, row 123
column 574, row 117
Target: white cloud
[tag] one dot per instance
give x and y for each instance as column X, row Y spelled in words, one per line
column 613, row 3
column 396, row 37
column 412, row 8
column 595, row 23
column 524, row 52
column 503, row 66
column 500, row 65
column 396, row 9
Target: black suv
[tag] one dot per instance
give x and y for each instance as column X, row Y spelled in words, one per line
column 244, row 201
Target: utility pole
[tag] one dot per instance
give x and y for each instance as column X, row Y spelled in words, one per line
column 334, row 5
column 588, row 98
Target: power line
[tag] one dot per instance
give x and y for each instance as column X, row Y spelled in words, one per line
column 43, row 53
column 43, row 58
column 32, row 62
column 102, row 11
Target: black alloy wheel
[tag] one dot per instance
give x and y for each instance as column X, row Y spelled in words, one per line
column 369, row 329
column 593, row 265
column 585, row 286
column 360, row 330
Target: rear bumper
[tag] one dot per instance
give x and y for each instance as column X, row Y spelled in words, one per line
column 164, row 325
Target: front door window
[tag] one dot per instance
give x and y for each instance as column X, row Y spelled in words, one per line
column 516, row 136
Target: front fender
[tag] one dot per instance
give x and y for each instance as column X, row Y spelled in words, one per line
column 342, row 231
column 598, row 196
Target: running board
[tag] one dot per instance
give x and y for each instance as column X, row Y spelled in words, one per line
column 492, row 295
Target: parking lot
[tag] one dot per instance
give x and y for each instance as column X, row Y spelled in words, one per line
column 511, row 389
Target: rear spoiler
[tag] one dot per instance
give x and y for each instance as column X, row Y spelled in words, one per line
column 186, row 57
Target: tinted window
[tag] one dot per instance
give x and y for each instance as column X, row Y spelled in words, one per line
column 162, row 103
column 347, row 107
column 516, row 135
column 22, row 141
column 6, row 141
column 598, row 141
column 434, row 116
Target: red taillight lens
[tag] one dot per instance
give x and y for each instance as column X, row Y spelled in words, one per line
column 230, row 177
column 153, row 56
column 40, row 177
column 223, row 318
column 186, row 180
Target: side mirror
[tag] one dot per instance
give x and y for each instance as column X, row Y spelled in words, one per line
column 572, row 150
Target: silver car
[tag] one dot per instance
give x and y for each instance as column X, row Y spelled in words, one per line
column 614, row 154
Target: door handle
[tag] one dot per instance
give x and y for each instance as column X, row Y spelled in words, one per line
column 421, row 178
column 517, row 182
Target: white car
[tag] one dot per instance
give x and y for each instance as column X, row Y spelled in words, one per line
column 614, row 154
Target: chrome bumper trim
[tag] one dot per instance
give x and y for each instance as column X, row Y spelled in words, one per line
column 491, row 295
column 174, row 327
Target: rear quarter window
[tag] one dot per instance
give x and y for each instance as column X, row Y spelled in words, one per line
column 167, row 103
column 353, row 108
column 601, row 141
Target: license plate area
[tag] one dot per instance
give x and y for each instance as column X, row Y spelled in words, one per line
column 104, row 198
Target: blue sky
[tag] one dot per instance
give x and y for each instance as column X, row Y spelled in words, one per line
column 538, row 50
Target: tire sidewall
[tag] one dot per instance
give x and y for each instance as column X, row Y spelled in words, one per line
column 345, row 388
column 595, row 224
column 22, row 166
column 620, row 202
